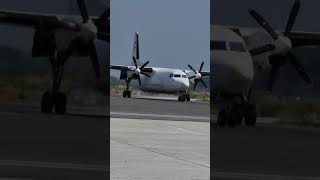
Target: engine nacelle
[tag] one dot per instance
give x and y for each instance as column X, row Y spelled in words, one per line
column 44, row 44
column 123, row 75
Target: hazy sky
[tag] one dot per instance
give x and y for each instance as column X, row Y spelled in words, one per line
column 172, row 33
column 233, row 12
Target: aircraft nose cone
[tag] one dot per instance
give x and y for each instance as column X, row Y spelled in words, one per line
column 232, row 75
column 184, row 85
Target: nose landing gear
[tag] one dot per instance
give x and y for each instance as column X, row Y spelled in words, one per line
column 184, row 97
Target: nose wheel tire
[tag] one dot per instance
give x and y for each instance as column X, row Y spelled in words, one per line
column 184, row 97
column 47, row 102
column 126, row 94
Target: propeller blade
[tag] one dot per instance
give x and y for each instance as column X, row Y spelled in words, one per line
column 262, row 49
column 144, row 65
column 135, row 62
column 298, row 66
column 263, row 23
column 192, row 68
column 292, row 17
column 139, row 79
column 195, row 85
column 83, row 10
column 203, row 83
column 201, row 66
column 147, row 70
column 273, row 76
column 203, row 74
column 145, row 74
column 94, row 58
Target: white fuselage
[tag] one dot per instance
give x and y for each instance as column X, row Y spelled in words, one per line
column 231, row 63
column 164, row 80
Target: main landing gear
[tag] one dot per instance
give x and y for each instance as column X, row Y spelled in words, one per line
column 184, row 97
column 54, row 98
column 235, row 116
column 127, row 93
column 234, row 113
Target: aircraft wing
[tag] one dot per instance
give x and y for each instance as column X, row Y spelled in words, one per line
column 53, row 21
column 305, row 38
column 29, row 19
column 256, row 36
column 119, row 67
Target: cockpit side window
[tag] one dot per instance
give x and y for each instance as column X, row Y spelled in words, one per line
column 171, row 75
column 218, row 45
column 184, row 76
column 237, row 46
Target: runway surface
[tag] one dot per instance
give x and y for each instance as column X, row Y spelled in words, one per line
column 154, row 139
column 48, row 146
column 265, row 152
column 159, row 109
column 159, row 150
column 37, row 145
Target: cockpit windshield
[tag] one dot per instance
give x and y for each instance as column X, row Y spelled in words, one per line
column 227, row 46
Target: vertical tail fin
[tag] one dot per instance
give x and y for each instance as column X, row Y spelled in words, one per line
column 136, row 50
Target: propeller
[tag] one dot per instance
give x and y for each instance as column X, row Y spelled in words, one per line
column 198, row 76
column 80, row 40
column 141, row 70
column 83, row 10
column 283, row 42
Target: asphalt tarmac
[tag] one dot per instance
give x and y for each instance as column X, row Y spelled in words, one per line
column 265, row 152
column 48, row 146
column 159, row 109
column 36, row 145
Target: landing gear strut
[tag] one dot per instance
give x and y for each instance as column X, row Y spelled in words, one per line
column 127, row 93
column 55, row 98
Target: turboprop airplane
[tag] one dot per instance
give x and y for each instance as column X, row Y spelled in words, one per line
column 159, row 80
column 237, row 54
column 60, row 37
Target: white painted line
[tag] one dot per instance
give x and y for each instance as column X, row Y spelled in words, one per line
column 160, row 116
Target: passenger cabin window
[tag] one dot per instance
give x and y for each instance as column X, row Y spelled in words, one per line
column 237, row 46
column 177, row 75
column 218, row 45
